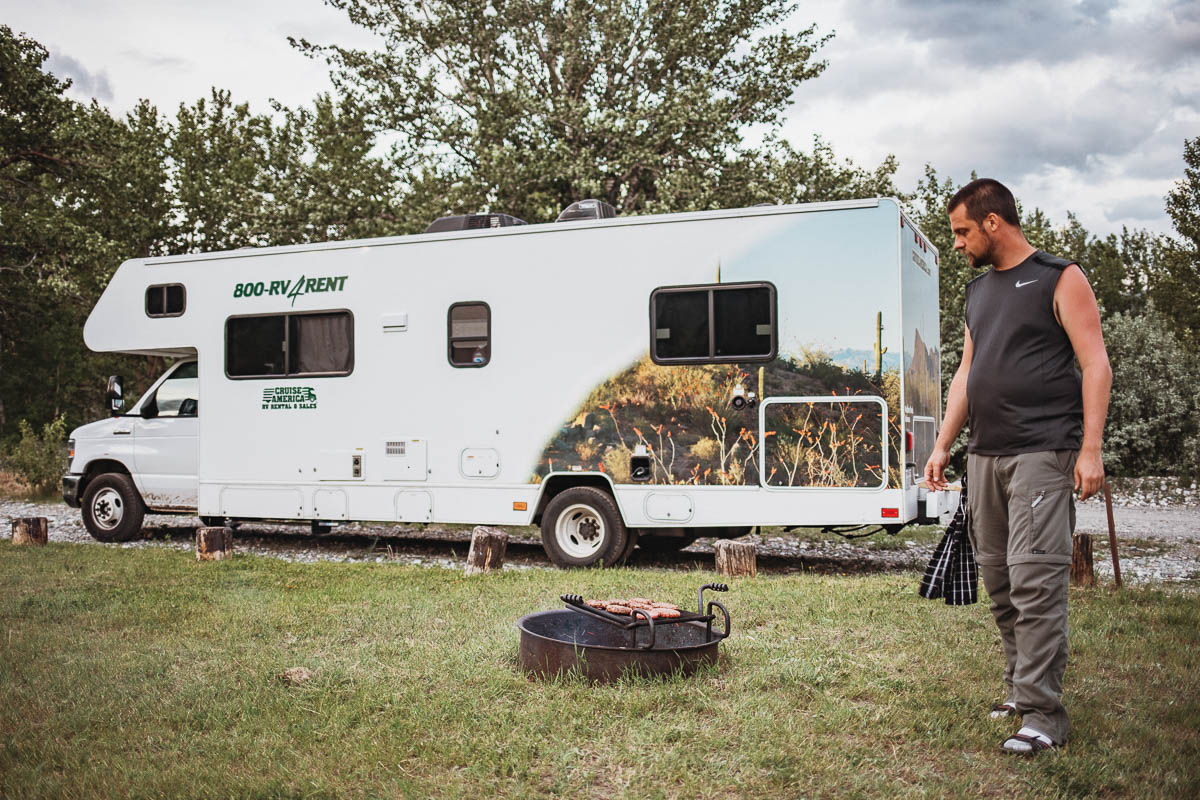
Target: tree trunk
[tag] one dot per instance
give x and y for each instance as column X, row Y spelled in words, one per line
column 488, row 546
column 214, row 544
column 1081, row 560
column 30, row 530
column 735, row 559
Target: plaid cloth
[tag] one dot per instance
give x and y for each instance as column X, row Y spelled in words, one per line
column 952, row 572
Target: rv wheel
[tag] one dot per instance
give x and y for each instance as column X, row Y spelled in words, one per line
column 582, row 527
column 112, row 508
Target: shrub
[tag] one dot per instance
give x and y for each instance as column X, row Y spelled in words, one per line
column 40, row 461
column 1152, row 427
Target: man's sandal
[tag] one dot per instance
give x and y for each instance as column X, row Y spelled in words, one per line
column 1024, row 745
column 1002, row 710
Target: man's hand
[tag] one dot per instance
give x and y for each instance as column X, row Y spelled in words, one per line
column 1089, row 473
column 935, row 469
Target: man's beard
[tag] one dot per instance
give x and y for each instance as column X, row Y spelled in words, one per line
column 987, row 257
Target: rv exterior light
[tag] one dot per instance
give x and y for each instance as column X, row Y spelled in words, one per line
column 889, row 513
column 740, row 398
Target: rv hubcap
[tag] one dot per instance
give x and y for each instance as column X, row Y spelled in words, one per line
column 108, row 508
column 580, row 531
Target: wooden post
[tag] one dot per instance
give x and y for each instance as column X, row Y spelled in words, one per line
column 30, row 530
column 214, row 544
column 1112, row 534
column 488, row 546
column 735, row 559
column 1081, row 560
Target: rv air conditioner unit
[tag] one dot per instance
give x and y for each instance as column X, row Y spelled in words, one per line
column 471, row 222
column 587, row 209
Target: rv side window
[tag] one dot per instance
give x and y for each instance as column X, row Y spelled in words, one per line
column 718, row 323
column 469, row 333
column 309, row 344
column 166, row 300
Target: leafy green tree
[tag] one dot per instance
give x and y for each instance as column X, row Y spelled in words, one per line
column 1175, row 281
column 528, row 105
column 79, row 192
column 1153, row 411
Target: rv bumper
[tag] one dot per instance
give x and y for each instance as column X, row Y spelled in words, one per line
column 70, row 489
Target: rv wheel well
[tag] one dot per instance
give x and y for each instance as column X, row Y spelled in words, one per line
column 557, row 484
column 99, row 467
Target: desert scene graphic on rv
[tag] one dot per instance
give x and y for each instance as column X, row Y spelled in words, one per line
column 839, row 348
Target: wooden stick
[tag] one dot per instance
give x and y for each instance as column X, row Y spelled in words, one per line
column 488, row 546
column 1112, row 534
column 30, row 530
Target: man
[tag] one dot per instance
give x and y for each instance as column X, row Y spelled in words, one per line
column 1035, row 430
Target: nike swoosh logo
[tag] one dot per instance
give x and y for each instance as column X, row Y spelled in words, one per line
column 1026, row 283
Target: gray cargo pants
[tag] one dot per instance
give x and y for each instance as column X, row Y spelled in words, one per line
column 1022, row 518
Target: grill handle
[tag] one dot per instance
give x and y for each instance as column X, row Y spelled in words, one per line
column 708, row 631
column 716, row 587
column 650, row 625
column 575, row 601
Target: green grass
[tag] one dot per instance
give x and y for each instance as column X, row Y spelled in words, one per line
column 142, row 673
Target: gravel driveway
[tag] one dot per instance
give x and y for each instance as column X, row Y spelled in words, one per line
column 1158, row 537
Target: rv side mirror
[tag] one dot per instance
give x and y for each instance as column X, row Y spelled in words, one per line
column 112, row 396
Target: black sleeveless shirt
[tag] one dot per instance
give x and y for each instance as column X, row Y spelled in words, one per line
column 1023, row 391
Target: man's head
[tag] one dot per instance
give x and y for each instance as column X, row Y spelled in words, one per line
column 983, row 218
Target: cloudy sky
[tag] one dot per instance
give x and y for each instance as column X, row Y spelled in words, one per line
column 1078, row 106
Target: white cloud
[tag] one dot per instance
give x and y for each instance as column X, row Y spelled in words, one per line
column 1076, row 106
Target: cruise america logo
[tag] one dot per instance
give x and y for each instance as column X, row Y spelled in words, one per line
column 288, row 397
column 291, row 289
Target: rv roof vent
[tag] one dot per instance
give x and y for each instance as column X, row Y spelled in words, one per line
column 471, row 222
column 587, row 209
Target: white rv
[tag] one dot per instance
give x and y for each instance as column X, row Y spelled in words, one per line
column 619, row 381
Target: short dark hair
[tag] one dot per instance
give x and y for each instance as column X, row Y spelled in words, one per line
column 985, row 196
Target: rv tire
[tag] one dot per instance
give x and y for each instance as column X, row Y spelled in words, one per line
column 582, row 527
column 112, row 508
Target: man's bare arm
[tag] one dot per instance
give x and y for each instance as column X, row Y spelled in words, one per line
column 1076, row 309
column 952, row 420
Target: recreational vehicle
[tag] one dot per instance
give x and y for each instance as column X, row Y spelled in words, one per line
column 619, row 381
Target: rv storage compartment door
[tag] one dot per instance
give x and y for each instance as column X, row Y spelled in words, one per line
column 668, row 507
column 479, row 462
column 261, row 502
column 340, row 465
column 329, row 504
column 405, row 460
column 414, row 507
column 835, row 442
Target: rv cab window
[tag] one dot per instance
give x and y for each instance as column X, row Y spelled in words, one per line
column 313, row 344
column 711, row 324
column 470, row 334
column 166, row 300
column 179, row 394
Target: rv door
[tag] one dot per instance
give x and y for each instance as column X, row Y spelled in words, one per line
column 166, row 428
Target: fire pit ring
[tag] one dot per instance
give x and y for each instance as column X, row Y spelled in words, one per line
column 603, row 647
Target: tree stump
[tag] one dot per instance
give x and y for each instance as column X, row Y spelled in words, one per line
column 1081, row 560
column 736, row 559
column 488, row 546
column 214, row 544
column 30, row 530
